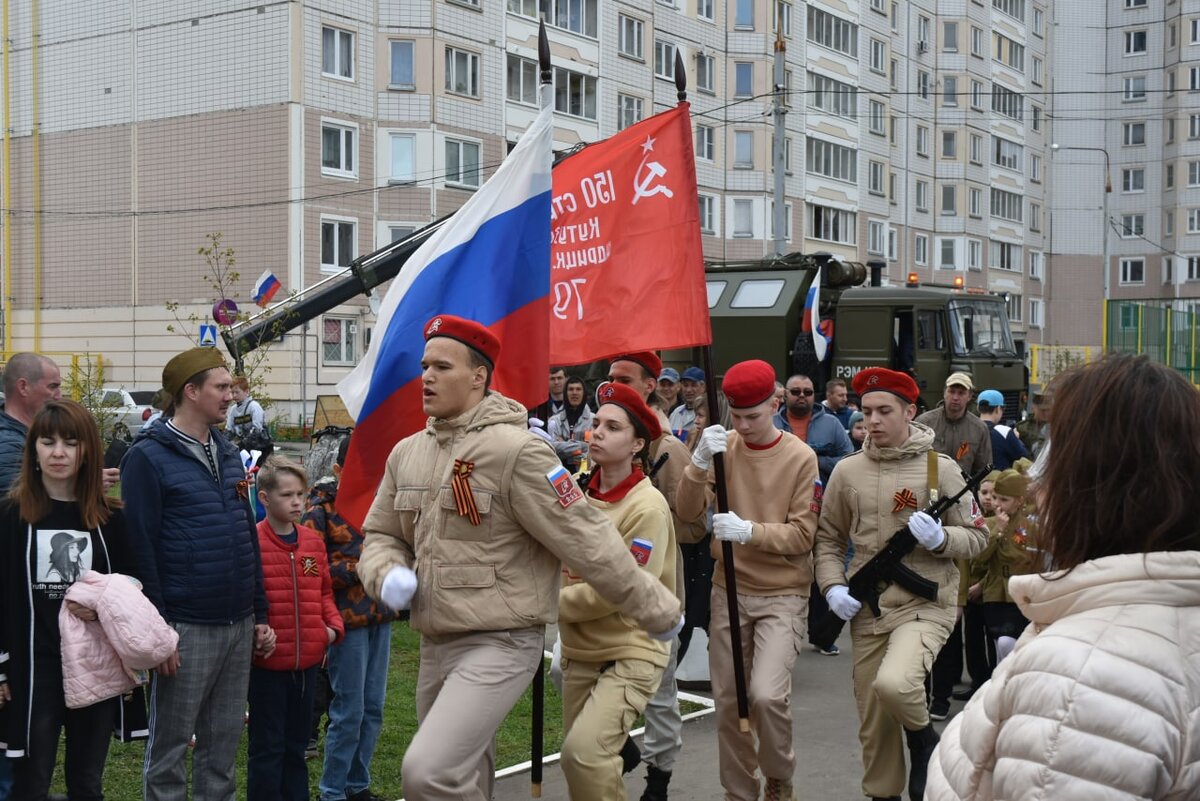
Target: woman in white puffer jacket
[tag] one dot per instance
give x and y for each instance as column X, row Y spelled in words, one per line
column 1100, row 699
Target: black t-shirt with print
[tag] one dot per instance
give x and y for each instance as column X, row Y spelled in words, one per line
column 60, row 549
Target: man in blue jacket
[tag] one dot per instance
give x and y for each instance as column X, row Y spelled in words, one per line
column 186, row 507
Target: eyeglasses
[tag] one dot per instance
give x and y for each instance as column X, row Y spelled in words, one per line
column 796, row 393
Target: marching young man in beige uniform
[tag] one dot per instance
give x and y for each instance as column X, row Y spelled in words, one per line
column 771, row 477
column 870, row 496
column 471, row 524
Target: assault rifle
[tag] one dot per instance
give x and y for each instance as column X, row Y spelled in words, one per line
column 885, row 567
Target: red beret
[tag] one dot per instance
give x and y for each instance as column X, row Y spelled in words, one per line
column 470, row 333
column 628, row 399
column 646, row 358
column 881, row 379
column 749, row 383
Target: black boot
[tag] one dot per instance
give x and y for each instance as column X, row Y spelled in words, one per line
column 656, row 784
column 889, row 798
column 630, row 756
column 921, row 744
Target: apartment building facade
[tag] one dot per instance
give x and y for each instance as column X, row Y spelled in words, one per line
column 308, row 133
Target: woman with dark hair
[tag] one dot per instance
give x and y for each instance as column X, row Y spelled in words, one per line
column 56, row 523
column 611, row 668
column 574, row 421
column 1101, row 696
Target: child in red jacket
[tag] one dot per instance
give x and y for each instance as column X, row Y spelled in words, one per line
column 305, row 620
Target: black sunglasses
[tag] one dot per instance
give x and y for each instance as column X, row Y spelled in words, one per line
column 798, row 392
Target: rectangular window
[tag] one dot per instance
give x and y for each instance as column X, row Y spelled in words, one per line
column 833, row 32
column 894, row 74
column 743, row 79
column 1035, row 265
column 705, row 143
column 1038, row 22
column 892, row 195
column 462, row 163
column 1169, row 222
column 574, row 93
column 1009, row 155
column 1135, row 42
column 1133, row 271
column 1014, row 304
column 878, row 55
column 398, row 232
column 878, row 112
column 704, row 9
column 403, row 157
column 778, row 8
column 949, row 144
column 1194, row 126
column 875, row 173
column 922, row 141
column 974, row 254
column 976, row 94
column 1036, row 71
column 401, row 73
column 947, row 254
column 1006, row 256
column 1007, row 102
column 876, row 237
column 976, row 149
column 1170, row 82
column 1194, row 173
column 1133, row 133
column 1170, row 130
column 629, row 111
column 1135, row 3
column 522, row 80
column 1193, row 221
column 337, row 150
column 664, row 59
column 832, row 96
column 1194, row 79
column 922, row 195
column 975, row 202
column 708, row 214
column 1013, row 8
column 923, row 29
column 577, row 16
column 338, row 339
column 976, row 41
column 923, row 84
column 1006, row 51
column 1169, row 177
column 743, row 217
column 630, row 37
column 921, row 249
column 1133, row 180
column 949, row 199
column 743, row 150
column 462, row 72
column 950, row 37
column 1035, row 117
column 1035, row 216
column 1132, row 225
column 743, row 16
column 832, row 225
column 1006, row 205
column 337, row 244
column 1193, row 268
column 831, row 160
column 893, row 247
column 1135, row 88
column 1035, row 168
column 1196, row 31
column 337, row 53
column 949, row 90
column 706, row 73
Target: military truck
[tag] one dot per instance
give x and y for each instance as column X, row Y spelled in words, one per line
column 929, row 331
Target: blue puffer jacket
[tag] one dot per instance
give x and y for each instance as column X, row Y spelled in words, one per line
column 196, row 541
column 825, row 436
column 12, row 448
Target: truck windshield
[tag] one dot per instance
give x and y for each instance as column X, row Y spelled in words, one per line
column 979, row 327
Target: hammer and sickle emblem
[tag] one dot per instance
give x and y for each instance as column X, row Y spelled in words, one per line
column 642, row 183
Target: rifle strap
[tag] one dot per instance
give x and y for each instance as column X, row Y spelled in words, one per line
column 931, row 469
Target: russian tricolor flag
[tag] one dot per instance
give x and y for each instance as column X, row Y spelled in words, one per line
column 489, row 263
column 265, row 288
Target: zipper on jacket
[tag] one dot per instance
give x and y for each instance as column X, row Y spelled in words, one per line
column 296, row 601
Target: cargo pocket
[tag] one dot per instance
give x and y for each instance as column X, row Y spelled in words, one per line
column 407, row 504
column 640, row 680
column 800, row 629
column 460, row 527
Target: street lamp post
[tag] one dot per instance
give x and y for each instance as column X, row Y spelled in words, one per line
column 1104, row 231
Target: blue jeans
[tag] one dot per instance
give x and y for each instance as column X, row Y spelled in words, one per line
column 5, row 778
column 358, row 668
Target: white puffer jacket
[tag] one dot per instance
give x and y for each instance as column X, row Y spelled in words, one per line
column 1100, row 700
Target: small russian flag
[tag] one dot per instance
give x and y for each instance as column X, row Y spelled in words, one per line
column 265, row 288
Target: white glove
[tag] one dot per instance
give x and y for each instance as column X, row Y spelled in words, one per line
column 712, row 440
column 843, row 604
column 667, row 636
column 399, row 586
column 728, row 526
column 536, row 426
column 927, row 530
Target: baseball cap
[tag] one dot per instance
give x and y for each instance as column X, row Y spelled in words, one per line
column 960, row 379
column 693, row 374
column 990, row 399
column 669, row 374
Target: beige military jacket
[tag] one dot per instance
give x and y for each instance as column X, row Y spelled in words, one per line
column 505, row 572
column 966, row 440
column 871, row 494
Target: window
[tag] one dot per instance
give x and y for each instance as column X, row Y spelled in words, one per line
column 1006, row 51
column 875, row 173
column 923, row 84
column 1132, row 225
column 706, row 72
column 462, row 163
column 877, row 112
column 1133, row 180
column 879, row 5
column 922, row 195
column 833, row 32
column 922, row 141
column 1135, row 3
column 974, row 254
column 1194, row 79
column 398, row 232
column 337, row 244
column 832, row 225
column 1171, row 36
column 950, row 37
column 1009, row 155
column 1135, row 42
column 743, row 217
column 947, row 254
column 574, row 93
column 1193, row 221
column 878, row 55
column 892, row 188
column 338, row 337
column 832, row 161
column 1196, row 31
column 949, row 90
column 578, row 16
column 630, row 36
column 743, row 16
column 921, row 249
column 337, row 150
column 1133, row 271
column 1194, row 126
column 704, row 9
column 522, row 80
column 1007, row 102
column 876, row 237
column 337, row 53
column 629, row 110
column 1193, row 268
column 1035, row 168
column 787, row 221
column 708, row 214
column 1013, row 8
column 462, row 72
column 1035, row 117
column 1014, row 304
column 401, row 73
column 1170, row 130
column 743, row 150
column 1006, row 205
column 893, row 249
column 976, row 41
column 664, row 59
column 1170, row 82
column 949, row 144
column 1006, row 256
column 705, row 143
column 1035, row 216
column 976, row 149
column 1169, row 222
column 403, row 157
column 1036, row 264
column 1038, row 22
column 894, row 74
column 1194, row 173
column 760, row 293
column 975, row 202
column 832, row 96
column 976, row 94
column 949, row 199
column 743, row 79
column 923, row 28
column 1134, row 133
column 1036, row 71
column 1135, row 88
column 785, row 9
column 1169, row 176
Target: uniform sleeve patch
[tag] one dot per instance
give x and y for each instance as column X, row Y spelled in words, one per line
column 641, row 550
column 567, row 490
column 818, row 496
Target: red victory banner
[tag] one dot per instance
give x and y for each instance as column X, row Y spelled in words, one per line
column 626, row 264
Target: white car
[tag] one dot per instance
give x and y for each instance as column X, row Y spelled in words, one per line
column 130, row 410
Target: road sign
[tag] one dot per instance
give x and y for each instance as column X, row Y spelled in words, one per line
column 208, row 335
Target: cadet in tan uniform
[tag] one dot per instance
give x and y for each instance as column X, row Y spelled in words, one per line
column 771, row 477
column 870, row 496
column 957, row 433
column 472, row 522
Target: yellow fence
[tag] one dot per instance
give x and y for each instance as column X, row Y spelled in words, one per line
column 1047, row 361
column 1168, row 331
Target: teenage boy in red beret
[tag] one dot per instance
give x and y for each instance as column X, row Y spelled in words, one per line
column 771, row 477
column 870, row 496
column 471, row 526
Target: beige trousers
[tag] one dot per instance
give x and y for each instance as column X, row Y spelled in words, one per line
column 774, row 629
column 889, row 686
column 467, row 685
column 601, row 700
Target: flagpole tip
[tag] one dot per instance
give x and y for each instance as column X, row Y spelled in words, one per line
column 680, row 77
column 544, row 52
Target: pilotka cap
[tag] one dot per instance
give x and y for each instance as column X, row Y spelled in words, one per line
column 187, row 364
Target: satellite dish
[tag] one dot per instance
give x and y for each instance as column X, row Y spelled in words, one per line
column 373, row 302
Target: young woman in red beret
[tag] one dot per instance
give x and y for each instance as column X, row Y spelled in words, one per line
column 611, row 668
